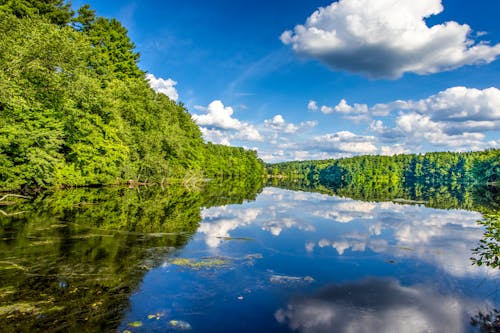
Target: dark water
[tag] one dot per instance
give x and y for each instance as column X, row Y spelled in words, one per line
column 237, row 258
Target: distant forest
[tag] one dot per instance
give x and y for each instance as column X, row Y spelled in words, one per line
column 77, row 110
column 430, row 169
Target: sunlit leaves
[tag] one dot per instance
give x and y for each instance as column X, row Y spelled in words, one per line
column 76, row 109
column 488, row 251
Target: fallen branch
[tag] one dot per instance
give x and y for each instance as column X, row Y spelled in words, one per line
column 11, row 214
column 14, row 195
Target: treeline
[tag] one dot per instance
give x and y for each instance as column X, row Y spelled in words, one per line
column 429, row 170
column 77, row 110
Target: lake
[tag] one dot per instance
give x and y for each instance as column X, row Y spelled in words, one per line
column 240, row 258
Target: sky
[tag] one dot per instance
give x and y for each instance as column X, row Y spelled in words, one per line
column 311, row 79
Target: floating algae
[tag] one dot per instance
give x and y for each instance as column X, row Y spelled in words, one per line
column 135, row 324
column 156, row 316
column 285, row 279
column 180, row 325
column 235, row 238
column 203, row 263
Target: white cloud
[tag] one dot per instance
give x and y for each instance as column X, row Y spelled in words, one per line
column 344, row 108
column 456, row 118
column 387, row 38
column 312, row 106
column 215, row 136
column 394, row 150
column 460, row 104
column 219, row 116
column 475, row 108
column 416, row 126
column 278, row 123
column 163, row 86
column 219, row 126
column 345, row 141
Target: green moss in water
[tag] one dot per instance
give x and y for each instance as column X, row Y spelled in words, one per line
column 204, row 263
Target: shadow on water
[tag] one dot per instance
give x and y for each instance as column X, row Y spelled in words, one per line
column 70, row 259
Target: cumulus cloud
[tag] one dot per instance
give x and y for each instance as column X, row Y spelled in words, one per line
column 279, row 124
column 163, row 86
column 219, row 126
column 345, row 141
column 312, row 106
column 376, row 305
column 216, row 136
column 344, row 108
column 461, row 104
column 219, row 116
column 454, row 118
column 356, row 112
column 387, row 38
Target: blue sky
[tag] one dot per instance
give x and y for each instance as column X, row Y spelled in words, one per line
column 309, row 79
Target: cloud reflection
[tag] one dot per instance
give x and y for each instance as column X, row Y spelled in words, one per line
column 222, row 220
column 375, row 305
column 442, row 238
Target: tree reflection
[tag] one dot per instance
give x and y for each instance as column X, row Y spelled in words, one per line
column 487, row 323
column 71, row 261
column 478, row 198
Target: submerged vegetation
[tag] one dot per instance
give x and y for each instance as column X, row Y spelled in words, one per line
column 70, row 260
column 77, row 110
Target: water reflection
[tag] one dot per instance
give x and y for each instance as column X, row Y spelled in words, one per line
column 442, row 238
column 232, row 256
column 481, row 198
column 71, row 259
column 376, row 305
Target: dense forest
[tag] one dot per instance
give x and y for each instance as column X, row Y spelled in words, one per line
column 430, row 169
column 77, row 110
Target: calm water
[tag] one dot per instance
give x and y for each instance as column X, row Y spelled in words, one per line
column 277, row 261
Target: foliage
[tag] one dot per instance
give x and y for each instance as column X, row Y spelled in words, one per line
column 55, row 11
column 485, row 199
column 428, row 170
column 488, row 251
column 487, row 322
column 76, row 109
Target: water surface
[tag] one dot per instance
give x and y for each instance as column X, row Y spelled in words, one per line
column 213, row 261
